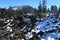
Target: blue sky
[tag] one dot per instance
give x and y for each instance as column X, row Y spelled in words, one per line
column 33, row 3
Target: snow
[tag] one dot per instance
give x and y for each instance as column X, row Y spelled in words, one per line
column 9, row 29
column 22, row 39
column 12, row 35
column 30, row 35
column 35, row 30
column 46, row 24
column 42, row 26
column 49, row 38
column 42, row 39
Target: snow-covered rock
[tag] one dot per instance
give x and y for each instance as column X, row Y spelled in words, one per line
column 9, row 29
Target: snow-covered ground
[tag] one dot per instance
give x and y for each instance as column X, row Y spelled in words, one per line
column 49, row 26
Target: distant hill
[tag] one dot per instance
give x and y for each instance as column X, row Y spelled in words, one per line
column 24, row 8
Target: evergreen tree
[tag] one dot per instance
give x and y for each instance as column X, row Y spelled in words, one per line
column 48, row 10
column 3, row 12
column 44, row 6
column 40, row 7
column 10, row 12
column 52, row 8
column 55, row 9
column 59, row 10
column 35, row 10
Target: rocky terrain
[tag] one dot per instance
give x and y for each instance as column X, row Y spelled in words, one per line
column 29, row 27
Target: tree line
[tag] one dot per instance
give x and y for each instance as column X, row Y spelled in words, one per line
column 42, row 9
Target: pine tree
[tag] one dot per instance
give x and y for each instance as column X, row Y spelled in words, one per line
column 55, row 9
column 48, row 10
column 40, row 7
column 44, row 6
column 59, row 10
column 52, row 8
column 35, row 10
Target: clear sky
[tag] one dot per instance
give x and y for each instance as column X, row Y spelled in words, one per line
column 33, row 3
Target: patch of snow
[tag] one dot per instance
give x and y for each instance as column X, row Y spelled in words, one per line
column 42, row 39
